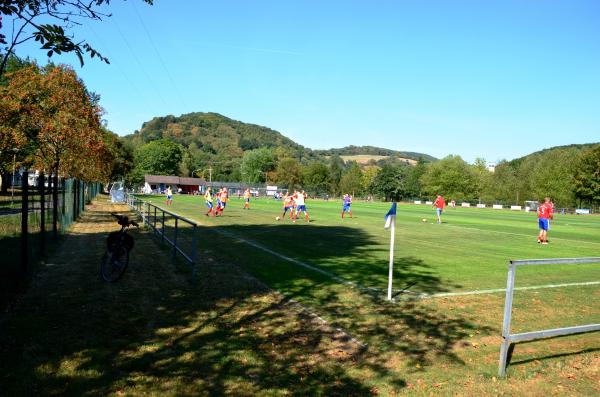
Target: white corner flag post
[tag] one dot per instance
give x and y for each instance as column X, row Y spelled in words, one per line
column 390, row 223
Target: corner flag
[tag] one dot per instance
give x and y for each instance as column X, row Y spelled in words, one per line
column 390, row 221
column 390, row 216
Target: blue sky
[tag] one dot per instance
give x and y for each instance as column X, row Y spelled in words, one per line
column 493, row 79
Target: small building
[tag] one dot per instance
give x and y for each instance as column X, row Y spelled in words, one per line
column 160, row 183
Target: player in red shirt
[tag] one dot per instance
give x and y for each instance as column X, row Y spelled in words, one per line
column 439, row 205
column 544, row 215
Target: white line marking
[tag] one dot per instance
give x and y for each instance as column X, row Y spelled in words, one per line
column 492, row 291
column 521, row 234
column 295, row 302
column 417, row 294
column 295, row 261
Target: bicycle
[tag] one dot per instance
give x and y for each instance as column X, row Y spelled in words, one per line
column 118, row 245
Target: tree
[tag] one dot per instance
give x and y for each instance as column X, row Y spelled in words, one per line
column 336, row 168
column 390, row 182
column 160, row 157
column 351, row 181
column 55, row 122
column 368, row 175
column 504, row 186
column 413, row 179
column 587, row 176
column 553, row 176
column 49, row 23
column 256, row 163
column 316, row 178
column 481, row 178
column 289, row 173
column 120, row 156
column 450, row 177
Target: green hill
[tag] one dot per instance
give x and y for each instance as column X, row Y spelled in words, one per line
column 212, row 133
column 211, row 138
column 575, row 148
column 377, row 153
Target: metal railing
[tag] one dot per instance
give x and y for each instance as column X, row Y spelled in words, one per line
column 178, row 232
column 509, row 338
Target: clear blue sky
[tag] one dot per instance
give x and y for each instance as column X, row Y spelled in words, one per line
column 492, row 79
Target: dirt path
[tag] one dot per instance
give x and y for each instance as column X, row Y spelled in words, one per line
column 156, row 332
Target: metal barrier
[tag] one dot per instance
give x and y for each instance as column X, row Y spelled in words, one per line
column 508, row 339
column 159, row 220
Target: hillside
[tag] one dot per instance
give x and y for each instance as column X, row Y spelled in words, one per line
column 212, row 133
column 377, row 153
column 549, row 151
column 221, row 141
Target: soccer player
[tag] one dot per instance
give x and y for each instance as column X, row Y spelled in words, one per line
column 222, row 203
column 209, row 202
column 288, row 204
column 346, row 207
column 299, row 199
column 439, row 205
column 169, row 196
column 247, row 199
column 544, row 215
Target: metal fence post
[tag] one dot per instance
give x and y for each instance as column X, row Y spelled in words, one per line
column 24, row 221
column 175, row 240
column 42, row 213
column 194, row 250
column 162, row 233
column 55, row 205
column 510, row 284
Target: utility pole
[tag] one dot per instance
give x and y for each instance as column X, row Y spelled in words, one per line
column 210, row 176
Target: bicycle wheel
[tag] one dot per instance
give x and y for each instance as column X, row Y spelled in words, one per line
column 114, row 263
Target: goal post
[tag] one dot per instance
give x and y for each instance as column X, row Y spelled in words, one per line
column 507, row 337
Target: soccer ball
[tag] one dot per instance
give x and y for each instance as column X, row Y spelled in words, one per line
column 424, row 220
column 277, row 218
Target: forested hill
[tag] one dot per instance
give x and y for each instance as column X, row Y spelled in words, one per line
column 212, row 133
column 574, row 148
column 374, row 151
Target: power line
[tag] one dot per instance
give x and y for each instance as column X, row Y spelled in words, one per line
column 114, row 62
column 141, row 66
column 175, row 87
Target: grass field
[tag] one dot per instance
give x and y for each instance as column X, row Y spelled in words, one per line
column 468, row 251
column 338, row 269
column 317, row 330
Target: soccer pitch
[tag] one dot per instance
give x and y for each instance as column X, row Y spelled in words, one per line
column 468, row 252
column 338, row 270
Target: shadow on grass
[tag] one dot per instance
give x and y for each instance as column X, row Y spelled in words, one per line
column 154, row 332
column 513, row 346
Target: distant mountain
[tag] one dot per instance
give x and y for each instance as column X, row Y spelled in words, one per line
column 374, row 151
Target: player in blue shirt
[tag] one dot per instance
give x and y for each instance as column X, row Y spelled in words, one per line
column 346, row 207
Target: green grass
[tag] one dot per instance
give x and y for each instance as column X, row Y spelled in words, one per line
column 469, row 251
column 156, row 333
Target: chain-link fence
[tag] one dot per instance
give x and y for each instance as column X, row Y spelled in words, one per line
column 32, row 217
